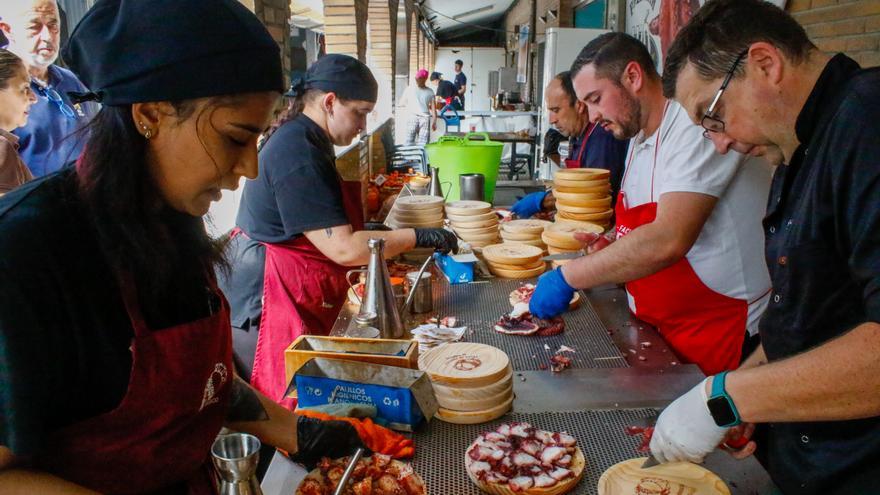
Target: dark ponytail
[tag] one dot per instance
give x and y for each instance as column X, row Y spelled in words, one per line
column 138, row 233
column 295, row 107
column 10, row 64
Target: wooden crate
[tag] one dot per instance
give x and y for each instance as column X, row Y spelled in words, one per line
column 377, row 351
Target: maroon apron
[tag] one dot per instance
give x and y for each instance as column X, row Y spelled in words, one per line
column 162, row 431
column 576, row 163
column 303, row 292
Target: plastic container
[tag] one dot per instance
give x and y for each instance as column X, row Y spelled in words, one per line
column 474, row 153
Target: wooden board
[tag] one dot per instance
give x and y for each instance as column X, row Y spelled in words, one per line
column 476, row 404
column 465, row 364
column 485, row 237
column 519, row 236
column 516, row 274
column 513, row 254
column 527, row 226
column 468, row 207
column 586, row 193
column 677, row 477
column 418, row 202
column 537, row 264
column 418, row 215
column 582, row 186
column 587, row 217
column 474, row 417
column 578, row 467
column 582, row 174
column 575, row 199
column 589, row 226
column 472, row 218
column 472, row 225
column 537, row 243
column 476, row 231
column 458, row 392
column 561, row 235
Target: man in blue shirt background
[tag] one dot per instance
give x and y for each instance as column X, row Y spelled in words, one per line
column 460, row 82
column 34, row 32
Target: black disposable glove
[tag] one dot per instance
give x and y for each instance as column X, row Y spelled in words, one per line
column 316, row 439
column 440, row 239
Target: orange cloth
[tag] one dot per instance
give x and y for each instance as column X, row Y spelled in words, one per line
column 376, row 438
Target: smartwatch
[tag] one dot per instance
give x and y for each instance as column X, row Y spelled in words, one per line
column 720, row 405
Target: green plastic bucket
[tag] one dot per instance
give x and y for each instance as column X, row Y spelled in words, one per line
column 474, row 153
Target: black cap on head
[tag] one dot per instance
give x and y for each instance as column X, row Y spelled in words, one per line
column 344, row 75
column 129, row 51
column 459, row 62
column 436, row 75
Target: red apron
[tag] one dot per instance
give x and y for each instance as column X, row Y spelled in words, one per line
column 576, row 163
column 303, row 292
column 162, row 431
column 702, row 326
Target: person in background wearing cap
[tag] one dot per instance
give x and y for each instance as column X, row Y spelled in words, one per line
column 48, row 141
column 460, row 83
column 444, row 89
column 418, row 103
column 116, row 352
column 299, row 230
column 591, row 145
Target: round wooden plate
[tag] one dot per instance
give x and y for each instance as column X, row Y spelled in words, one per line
column 588, row 226
column 586, row 193
column 419, row 202
column 527, row 226
column 465, row 364
column 461, row 392
column 518, row 236
column 472, row 218
column 582, row 184
column 556, row 250
column 582, row 173
column 516, row 274
column 474, row 417
column 473, row 225
column 468, row 207
column 513, row 254
column 677, row 477
column 315, row 474
column 485, row 237
column 575, row 199
column 480, row 404
column 478, row 230
column 587, row 217
column 502, row 266
column 561, row 235
column 567, row 208
column 578, row 467
column 538, row 243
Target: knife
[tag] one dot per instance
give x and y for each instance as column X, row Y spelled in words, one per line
column 564, row 256
column 650, row 462
column 343, row 481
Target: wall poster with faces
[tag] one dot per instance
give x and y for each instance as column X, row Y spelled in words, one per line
column 656, row 22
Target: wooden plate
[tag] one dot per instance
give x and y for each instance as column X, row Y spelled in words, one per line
column 556, row 250
column 561, row 236
column 478, row 404
column 486, row 237
column 578, row 467
column 535, row 242
column 513, row 254
column 579, row 210
column 448, row 392
column 473, row 225
column 472, row 218
column 419, row 202
column 467, row 207
column 586, row 193
column 418, row 215
column 517, row 274
column 503, row 266
column 574, row 199
column 478, row 230
column 465, row 363
column 527, row 226
column 583, row 184
column 587, row 217
column 677, row 477
column 590, row 226
column 582, row 174
column 519, row 236
column 474, row 417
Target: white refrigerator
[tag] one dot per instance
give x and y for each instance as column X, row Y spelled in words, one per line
column 556, row 52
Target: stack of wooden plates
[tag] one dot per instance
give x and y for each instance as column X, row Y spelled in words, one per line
column 524, row 232
column 560, row 237
column 473, row 382
column 514, row 260
column 417, row 211
column 583, row 194
column 474, row 222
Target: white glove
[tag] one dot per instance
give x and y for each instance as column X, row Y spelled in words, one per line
column 685, row 430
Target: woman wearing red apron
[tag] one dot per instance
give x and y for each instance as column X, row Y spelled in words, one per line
column 300, row 227
column 115, row 344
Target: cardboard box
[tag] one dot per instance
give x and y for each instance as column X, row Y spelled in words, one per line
column 391, row 352
column 402, row 397
column 458, row 269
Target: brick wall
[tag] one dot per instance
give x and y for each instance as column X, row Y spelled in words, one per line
column 849, row 26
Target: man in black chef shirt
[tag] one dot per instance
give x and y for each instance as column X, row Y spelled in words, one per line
column 460, row 83
column 444, row 89
column 813, row 384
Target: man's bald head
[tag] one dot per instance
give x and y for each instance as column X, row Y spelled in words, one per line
column 34, row 30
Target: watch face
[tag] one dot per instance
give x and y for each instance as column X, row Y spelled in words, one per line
column 721, row 411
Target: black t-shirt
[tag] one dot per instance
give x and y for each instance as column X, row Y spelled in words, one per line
column 460, row 82
column 445, row 89
column 823, row 251
column 298, row 188
column 64, row 330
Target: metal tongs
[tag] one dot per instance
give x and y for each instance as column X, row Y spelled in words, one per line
column 343, row 481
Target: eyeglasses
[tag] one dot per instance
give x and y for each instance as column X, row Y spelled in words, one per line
column 53, row 96
column 710, row 121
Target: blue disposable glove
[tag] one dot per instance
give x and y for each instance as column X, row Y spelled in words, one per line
column 552, row 295
column 529, row 204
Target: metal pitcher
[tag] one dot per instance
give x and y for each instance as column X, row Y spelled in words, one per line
column 235, row 458
column 471, row 186
column 378, row 293
column 435, row 189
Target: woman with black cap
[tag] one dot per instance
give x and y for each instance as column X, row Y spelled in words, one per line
column 115, row 344
column 299, row 229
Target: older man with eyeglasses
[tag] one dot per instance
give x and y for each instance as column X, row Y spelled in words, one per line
column 47, row 142
column 814, row 394
column 689, row 239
